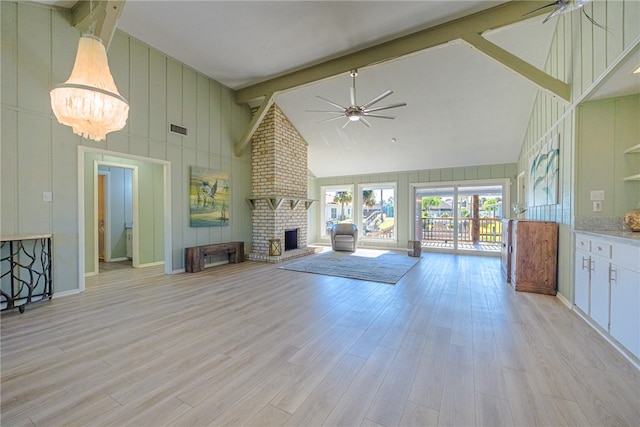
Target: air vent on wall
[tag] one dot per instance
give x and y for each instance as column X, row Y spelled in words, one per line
column 179, row 130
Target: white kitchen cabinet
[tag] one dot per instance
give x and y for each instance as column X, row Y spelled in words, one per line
column 625, row 304
column 607, row 285
column 599, row 298
column 582, row 293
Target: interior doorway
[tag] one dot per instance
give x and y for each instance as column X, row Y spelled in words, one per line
column 155, row 199
column 116, row 206
column 101, row 216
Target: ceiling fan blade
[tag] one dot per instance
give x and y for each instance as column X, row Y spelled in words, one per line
column 377, row 98
column 331, row 102
column 332, row 118
column 553, row 14
column 386, row 107
column 378, row 116
column 555, row 3
column 365, row 122
column 346, row 124
column 324, row 111
column 594, row 22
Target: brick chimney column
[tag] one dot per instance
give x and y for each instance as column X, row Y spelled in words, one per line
column 279, row 169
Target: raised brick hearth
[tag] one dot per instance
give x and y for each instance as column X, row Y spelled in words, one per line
column 279, row 180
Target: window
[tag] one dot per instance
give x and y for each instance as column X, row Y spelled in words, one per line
column 337, row 206
column 378, row 211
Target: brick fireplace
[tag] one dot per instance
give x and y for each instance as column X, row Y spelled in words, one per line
column 279, row 185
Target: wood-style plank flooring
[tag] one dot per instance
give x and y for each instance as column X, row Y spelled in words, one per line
column 252, row 344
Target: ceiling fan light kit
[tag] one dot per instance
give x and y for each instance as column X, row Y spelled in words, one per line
column 355, row 112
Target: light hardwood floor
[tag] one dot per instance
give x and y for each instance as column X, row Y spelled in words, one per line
column 252, row 344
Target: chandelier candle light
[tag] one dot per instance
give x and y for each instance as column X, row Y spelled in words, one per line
column 89, row 101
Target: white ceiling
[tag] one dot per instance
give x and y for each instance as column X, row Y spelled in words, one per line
column 462, row 108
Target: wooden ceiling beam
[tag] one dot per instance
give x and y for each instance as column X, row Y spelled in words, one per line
column 477, row 23
column 102, row 15
column 255, row 122
column 556, row 88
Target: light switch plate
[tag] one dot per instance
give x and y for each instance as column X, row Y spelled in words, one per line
column 47, row 196
column 597, row 195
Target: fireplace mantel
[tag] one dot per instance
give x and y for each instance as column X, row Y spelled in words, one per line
column 275, row 202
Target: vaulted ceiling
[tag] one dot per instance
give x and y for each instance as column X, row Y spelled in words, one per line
column 465, row 103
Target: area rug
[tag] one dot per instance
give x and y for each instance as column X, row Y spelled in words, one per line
column 364, row 264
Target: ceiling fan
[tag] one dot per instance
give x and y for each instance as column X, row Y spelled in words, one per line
column 356, row 112
column 564, row 6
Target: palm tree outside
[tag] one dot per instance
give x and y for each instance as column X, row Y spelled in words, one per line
column 343, row 198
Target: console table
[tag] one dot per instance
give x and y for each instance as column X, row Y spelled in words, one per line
column 194, row 256
column 25, row 267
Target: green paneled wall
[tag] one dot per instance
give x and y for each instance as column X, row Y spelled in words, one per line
column 605, row 129
column 581, row 54
column 38, row 154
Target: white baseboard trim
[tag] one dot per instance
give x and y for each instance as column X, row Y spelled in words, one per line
column 178, row 271
column 564, row 300
column 122, row 258
column 90, row 273
column 65, row 293
column 151, row 264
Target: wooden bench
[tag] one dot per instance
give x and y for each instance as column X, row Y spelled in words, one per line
column 194, row 256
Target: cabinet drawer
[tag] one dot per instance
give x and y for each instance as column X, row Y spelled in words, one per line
column 601, row 248
column 583, row 243
column 626, row 256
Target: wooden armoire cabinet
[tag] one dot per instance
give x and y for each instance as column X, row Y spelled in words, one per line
column 534, row 256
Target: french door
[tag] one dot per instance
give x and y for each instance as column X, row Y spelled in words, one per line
column 459, row 217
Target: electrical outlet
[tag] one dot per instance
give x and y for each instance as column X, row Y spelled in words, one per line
column 597, row 206
column 47, row 196
column 597, row 195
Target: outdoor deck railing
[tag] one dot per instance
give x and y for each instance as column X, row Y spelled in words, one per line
column 490, row 229
column 386, row 233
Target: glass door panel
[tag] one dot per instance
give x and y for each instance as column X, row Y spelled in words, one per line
column 460, row 217
column 480, row 218
column 435, row 217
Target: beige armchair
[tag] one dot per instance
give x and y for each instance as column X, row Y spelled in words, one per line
column 344, row 237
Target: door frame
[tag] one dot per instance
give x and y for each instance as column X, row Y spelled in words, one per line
column 83, row 151
column 135, row 239
column 106, row 196
column 522, row 192
column 506, row 202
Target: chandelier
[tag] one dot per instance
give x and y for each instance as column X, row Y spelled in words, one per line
column 89, row 101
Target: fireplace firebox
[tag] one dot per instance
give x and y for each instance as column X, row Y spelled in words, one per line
column 290, row 239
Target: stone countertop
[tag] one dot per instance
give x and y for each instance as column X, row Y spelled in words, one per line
column 625, row 237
